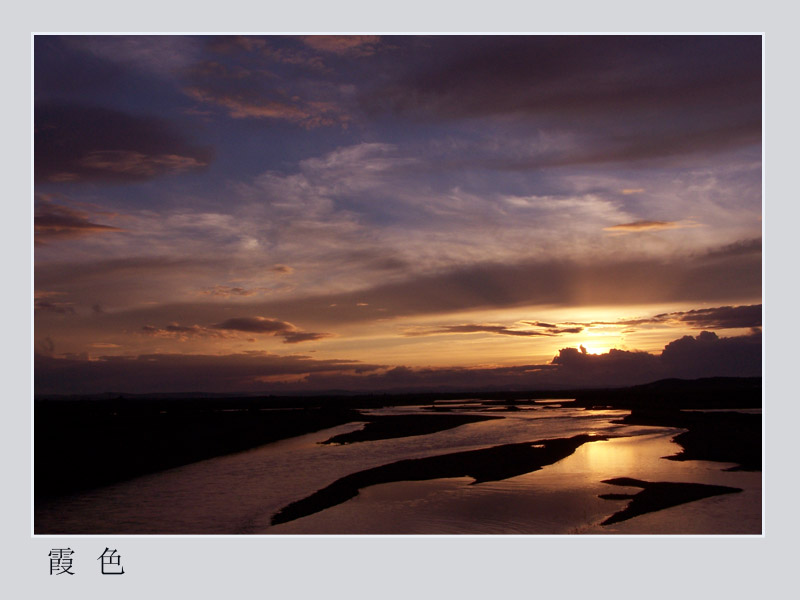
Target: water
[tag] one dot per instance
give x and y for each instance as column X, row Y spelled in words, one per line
column 239, row 493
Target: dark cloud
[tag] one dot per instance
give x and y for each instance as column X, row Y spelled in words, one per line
column 554, row 329
column 573, row 74
column 55, row 222
column 723, row 317
column 62, row 69
column 740, row 248
column 567, row 330
column 689, row 357
column 694, row 356
column 263, row 325
column 295, row 337
column 45, row 305
column 488, row 328
column 259, row 325
column 631, row 97
column 255, row 325
column 614, row 367
column 75, row 143
column 283, row 269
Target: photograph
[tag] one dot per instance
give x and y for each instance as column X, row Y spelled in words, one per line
column 296, row 285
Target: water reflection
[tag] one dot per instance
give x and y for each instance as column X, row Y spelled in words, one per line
column 238, row 494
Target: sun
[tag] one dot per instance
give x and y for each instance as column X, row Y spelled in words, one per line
column 593, row 348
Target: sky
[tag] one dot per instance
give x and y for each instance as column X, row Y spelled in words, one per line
column 275, row 214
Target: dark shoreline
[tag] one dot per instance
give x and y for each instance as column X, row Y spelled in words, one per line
column 727, row 437
column 657, row 496
column 108, row 439
column 108, row 444
column 396, row 426
column 487, row 464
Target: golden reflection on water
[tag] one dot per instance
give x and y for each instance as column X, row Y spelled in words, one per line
column 611, row 456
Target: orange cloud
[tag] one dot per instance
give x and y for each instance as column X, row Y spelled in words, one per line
column 309, row 115
column 650, row 226
column 353, row 45
column 139, row 164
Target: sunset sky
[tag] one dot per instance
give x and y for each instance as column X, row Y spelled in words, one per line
column 307, row 213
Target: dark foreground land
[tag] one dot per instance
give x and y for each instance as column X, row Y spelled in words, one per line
column 658, row 496
column 717, row 436
column 80, row 443
column 488, row 464
column 107, row 441
column 85, row 445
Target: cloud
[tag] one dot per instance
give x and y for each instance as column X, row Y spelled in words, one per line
column 75, row 143
column 738, row 248
column 700, row 280
column 255, row 325
column 263, row 325
column 138, row 165
column 621, row 366
column 689, row 357
column 56, row 222
column 561, row 283
column 246, row 104
column 648, row 226
column 161, row 55
column 295, row 337
column 60, row 308
column 225, row 44
column 722, row 317
column 347, row 45
column 264, row 46
column 225, row 291
column 706, row 353
column 283, row 269
column 230, row 327
column 625, row 98
column 490, row 328
column 181, row 332
column 554, row 329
